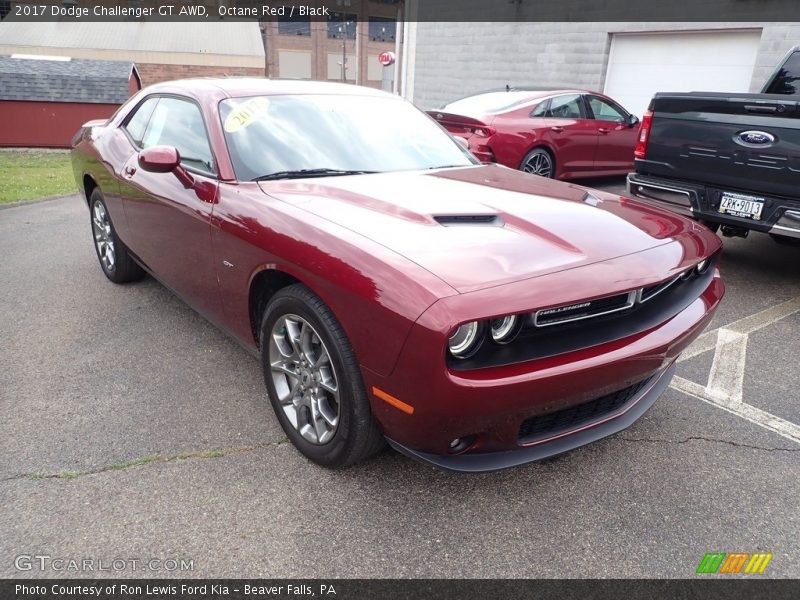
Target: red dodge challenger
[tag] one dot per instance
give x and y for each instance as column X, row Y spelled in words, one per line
column 394, row 288
column 565, row 134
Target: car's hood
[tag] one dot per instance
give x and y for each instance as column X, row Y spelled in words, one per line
column 482, row 226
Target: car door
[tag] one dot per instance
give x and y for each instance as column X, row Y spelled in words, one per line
column 170, row 225
column 616, row 138
column 562, row 122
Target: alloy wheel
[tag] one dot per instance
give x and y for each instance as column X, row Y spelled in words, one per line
column 539, row 163
column 103, row 236
column 304, row 378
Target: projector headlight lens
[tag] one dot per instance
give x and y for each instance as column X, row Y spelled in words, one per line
column 505, row 329
column 466, row 340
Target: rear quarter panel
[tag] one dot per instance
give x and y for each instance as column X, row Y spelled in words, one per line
column 97, row 158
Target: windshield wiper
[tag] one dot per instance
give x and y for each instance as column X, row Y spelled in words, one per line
column 301, row 173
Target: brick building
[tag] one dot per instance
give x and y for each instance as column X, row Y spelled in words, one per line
column 355, row 33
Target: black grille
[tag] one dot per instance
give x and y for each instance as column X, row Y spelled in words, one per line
column 575, row 416
column 655, row 290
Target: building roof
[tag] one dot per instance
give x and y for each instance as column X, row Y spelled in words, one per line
column 65, row 80
column 212, row 37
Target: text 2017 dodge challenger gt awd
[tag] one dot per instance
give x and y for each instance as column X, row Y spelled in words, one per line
column 474, row 316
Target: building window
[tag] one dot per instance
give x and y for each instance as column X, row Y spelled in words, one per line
column 342, row 25
column 382, row 29
column 294, row 26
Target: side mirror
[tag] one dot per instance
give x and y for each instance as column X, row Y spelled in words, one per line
column 160, row 159
column 633, row 120
column 165, row 159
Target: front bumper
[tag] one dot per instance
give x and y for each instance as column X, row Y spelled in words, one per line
column 492, row 407
column 564, row 441
column 701, row 202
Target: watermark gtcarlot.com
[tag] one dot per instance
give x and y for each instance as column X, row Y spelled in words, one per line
column 45, row 562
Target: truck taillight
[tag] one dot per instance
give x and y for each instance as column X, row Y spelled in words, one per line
column 644, row 135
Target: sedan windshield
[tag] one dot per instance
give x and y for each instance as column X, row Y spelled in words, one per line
column 280, row 137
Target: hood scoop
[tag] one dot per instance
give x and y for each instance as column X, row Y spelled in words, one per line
column 484, row 219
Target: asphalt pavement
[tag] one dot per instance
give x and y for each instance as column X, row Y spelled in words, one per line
column 134, row 430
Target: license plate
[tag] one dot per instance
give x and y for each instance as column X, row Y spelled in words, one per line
column 741, row 205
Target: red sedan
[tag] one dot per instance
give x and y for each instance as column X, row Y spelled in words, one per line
column 565, row 134
column 391, row 286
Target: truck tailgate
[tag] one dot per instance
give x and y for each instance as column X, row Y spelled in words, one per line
column 737, row 142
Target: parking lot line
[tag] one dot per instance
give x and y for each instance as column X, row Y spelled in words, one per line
column 750, row 413
column 708, row 340
column 724, row 388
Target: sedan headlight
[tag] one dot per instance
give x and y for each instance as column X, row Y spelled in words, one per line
column 505, row 329
column 466, row 340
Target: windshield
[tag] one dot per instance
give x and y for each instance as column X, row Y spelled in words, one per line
column 289, row 134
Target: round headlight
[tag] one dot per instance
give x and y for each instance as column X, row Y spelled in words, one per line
column 702, row 266
column 466, row 340
column 504, row 329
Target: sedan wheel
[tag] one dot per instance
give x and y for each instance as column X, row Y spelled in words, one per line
column 538, row 162
column 116, row 262
column 314, row 381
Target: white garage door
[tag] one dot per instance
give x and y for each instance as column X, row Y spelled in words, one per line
column 639, row 65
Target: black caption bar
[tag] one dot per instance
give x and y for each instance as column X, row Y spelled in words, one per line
column 394, row 589
column 758, row 11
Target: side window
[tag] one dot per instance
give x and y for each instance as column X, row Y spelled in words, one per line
column 605, row 111
column 138, row 122
column 566, row 107
column 540, row 110
column 179, row 123
column 787, row 79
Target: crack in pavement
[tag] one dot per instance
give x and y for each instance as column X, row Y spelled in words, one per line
column 696, row 438
column 146, row 460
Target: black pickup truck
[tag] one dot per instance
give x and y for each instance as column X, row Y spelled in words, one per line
column 728, row 160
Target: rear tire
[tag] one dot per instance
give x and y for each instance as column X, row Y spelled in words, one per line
column 113, row 255
column 314, row 381
column 539, row 162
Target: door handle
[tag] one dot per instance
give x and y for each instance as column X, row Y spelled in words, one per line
column 557, row 129
column 603, row 130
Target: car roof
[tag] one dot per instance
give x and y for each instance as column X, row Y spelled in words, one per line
column 252, row 86
column 525, row 93
column 507, row 99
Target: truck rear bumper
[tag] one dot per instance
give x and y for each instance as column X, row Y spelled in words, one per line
column 695, row 200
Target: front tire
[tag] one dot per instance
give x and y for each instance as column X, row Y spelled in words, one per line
column 314, row 382
column 114, row 258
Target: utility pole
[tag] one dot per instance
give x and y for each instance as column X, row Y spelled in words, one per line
column 343, row 31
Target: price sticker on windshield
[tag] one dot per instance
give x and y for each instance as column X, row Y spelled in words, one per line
column 245, row 114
